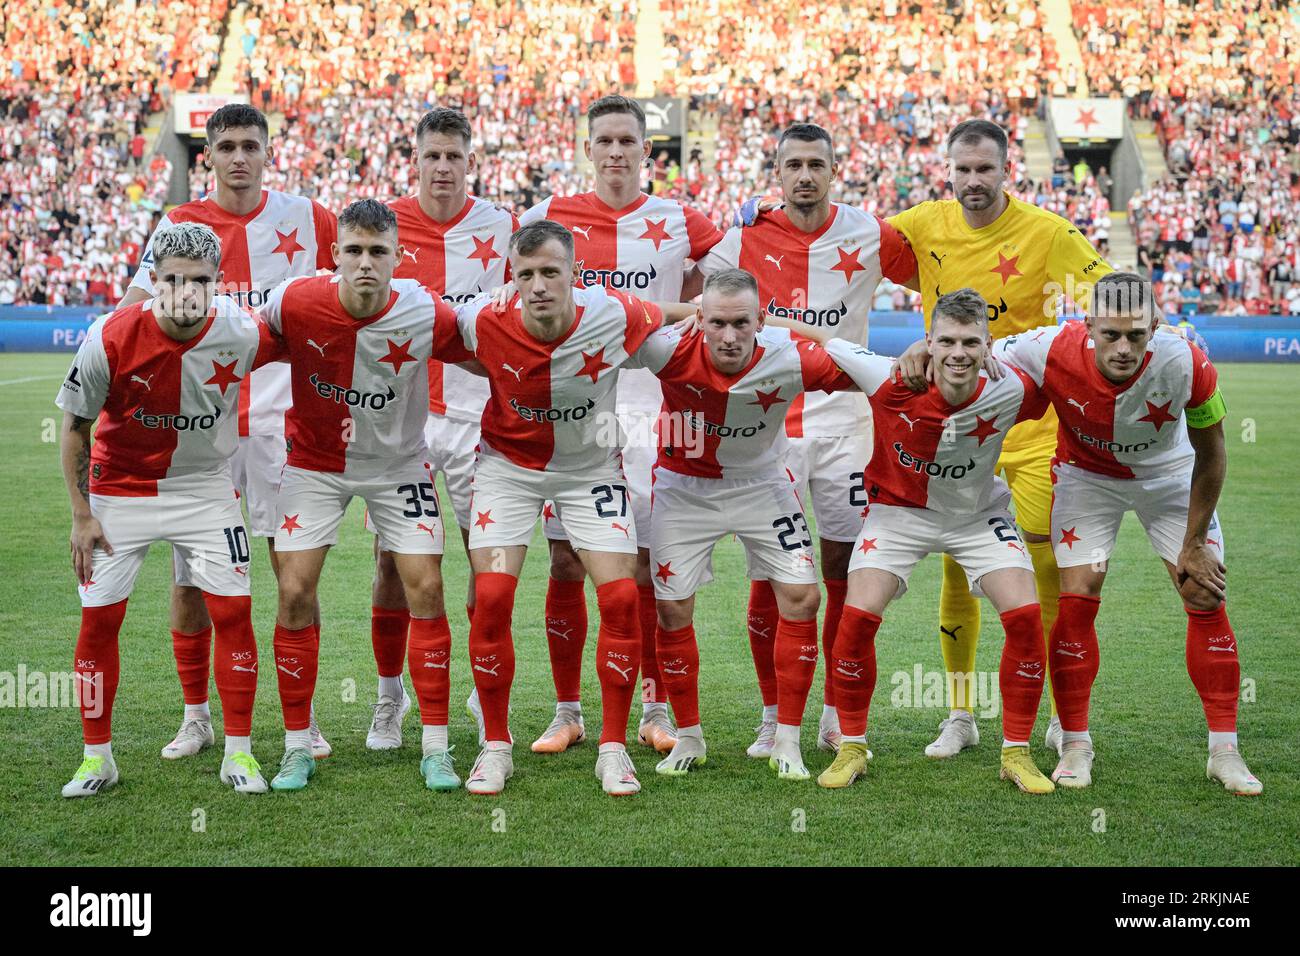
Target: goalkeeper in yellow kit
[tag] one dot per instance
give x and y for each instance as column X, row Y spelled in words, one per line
column 1021, row 259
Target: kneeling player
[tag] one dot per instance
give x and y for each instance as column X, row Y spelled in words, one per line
column 358, row 346
column 726, row 391
column 931, row 488
column 1121, row 392
column 163, row 378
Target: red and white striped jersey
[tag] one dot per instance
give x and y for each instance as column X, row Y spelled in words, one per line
column 641, row 249
column 715, row 425
column 825, row 278
column 457, row 259
column 552, row 404
column 168, row 411
column 360, row 386
column 285, row 236
column 927, row 453
column 1131, row 430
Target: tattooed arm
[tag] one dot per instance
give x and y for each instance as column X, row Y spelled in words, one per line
column 74, row 446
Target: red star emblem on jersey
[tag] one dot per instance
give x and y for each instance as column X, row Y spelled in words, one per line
column 665, row 571
column 398, row 355
column 1158, row 415
column 291, row 524
column 593, row 364
column 223, row 375
column 1007, row 268
column 848, row 264
column 983, row 429
column 1086, row 118
column 868, row 545
column 1068, row 537
column 547, row 512
column 288, row 244
column 767, row 399
column 483, row 251
column 655, row 232
column 484, row 519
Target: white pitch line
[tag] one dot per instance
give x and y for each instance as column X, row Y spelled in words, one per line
column 33, row 378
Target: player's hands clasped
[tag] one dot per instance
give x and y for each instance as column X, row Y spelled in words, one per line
column 1198, row 563
column 87, row 535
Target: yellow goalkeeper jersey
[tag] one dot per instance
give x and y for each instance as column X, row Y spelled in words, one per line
column 1022, row 263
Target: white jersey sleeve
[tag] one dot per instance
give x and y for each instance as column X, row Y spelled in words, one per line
column 467, row 316
column 85, row 390
column 535, row 213
column 656, row 350
column 1027, row 351
column 724, row 255
column 269, row 310
column 867, row 369
column 141, row 278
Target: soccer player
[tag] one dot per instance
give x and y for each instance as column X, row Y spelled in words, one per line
column 164, row 379
column 819, row 262
column 1022, row 260
column 266, row 237
column 626, row 241
column 931, row 487
column 454, row 244
column 358, row 346
column 550, row 433
column 1141, row 429
column 727, row 388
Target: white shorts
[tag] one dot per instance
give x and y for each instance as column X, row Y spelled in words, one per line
column 207, row 536
column 895, row 539
column 639, row 456
column 1087, row 510
column 593, row 507
column 401, row 503
column 830, row 469
column 452, row 447
column 256, row 468
column 690, row 514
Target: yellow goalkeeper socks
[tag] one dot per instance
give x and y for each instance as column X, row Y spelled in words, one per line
column 959, row 632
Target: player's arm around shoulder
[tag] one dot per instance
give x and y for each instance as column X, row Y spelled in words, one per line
column 802, row 329
column 1027, row 351
column 1074, row 265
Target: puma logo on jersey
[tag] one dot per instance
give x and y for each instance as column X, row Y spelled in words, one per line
column 910, row 424
column 246, row 670
column 938, row 259
column 425, row 527
column 296, row 675
column 318, row 348
column 513, row 371
column 144, row 381
column 492, row 672
column 625, row 671
column 412, row 253
column 1083, row 409
column 585, row 230
column 697, row 390
column 775, row 261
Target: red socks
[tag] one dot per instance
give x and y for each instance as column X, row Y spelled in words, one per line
column 796, row 663
column 566, row 636
column 618, row 656
column 854, row 668
column 679, row 663
column 1075, row 658
column 1020, row 677
column 192, row 652
column 388, row 628
column 762, row 638
column 1213, row 666
column 430, row 649
column 652, row 686
column 97, row 667
column 835, row 591
column 492, row 650
column 296, row 656
column 236, row 660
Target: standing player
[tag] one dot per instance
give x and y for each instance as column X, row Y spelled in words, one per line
column 731, row 384
column 358, row 345
column 627, row 241
column 1021, row 259
column 1121, row 393
column 819, row 262
column 454, row 244
column 164, row 379
column 932, row 487
column 550, row 433
column 266, row 237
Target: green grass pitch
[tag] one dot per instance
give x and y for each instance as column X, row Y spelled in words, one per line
column 1150, row 804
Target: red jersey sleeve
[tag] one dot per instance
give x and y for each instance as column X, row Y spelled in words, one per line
column 514, row 227
column 643, row 318
column 1205, row 378
column 703, row 234
column 820, row 373
column 327, row 233
column 897, row 260
column 1035, row 403
column 270, row 347
column 448, row 344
